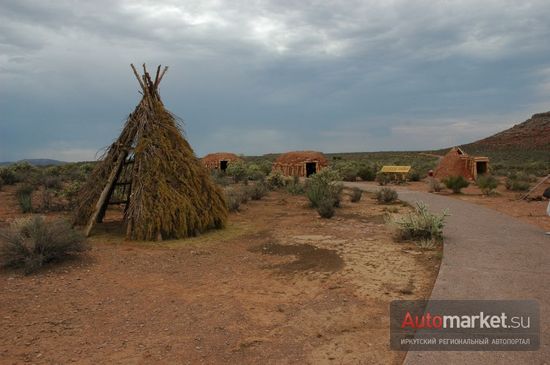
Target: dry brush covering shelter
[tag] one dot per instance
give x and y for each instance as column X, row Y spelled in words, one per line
column 153, row 172
column 219, row 160
column 458, row 163
column 300, row 163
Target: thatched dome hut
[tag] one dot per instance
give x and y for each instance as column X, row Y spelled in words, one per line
column 219, row 160
column 300, row 163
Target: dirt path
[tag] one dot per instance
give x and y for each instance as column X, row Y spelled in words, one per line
column 488, row 255
column 278, row 286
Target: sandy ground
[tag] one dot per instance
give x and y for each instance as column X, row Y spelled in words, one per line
column 504, row 201
column 278, row 286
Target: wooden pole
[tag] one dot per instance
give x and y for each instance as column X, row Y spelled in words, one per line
column 536, row 186
column 104, row 194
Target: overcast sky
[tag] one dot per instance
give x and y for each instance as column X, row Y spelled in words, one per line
column 255, row 77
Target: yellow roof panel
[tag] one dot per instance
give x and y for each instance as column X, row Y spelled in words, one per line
column 396, row 169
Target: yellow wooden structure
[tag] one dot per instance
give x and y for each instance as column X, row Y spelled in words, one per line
column 396, row 172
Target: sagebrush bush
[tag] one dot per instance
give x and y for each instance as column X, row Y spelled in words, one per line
column 70, row 194
column 275, row 180
column 295, row 187
column 487, row 184
column 8, row 176
column 435, row 185
column 52, row 182
column 414, row 176
column 514, row 184
column 324, row 186
column 32, row 242
column 367, row 173
column 386, row 195
column 24, row 197
column 233, row 199
column 421, row 224
column 237, row 170
column 382, row 179
column 258, row 191
column 254, row 172
column 356, row 194
column 325, row 208
column 456, row 183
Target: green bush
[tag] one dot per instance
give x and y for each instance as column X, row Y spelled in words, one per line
column 421, row 224
column 70, row 194
column 233, row 199
column 325, row 208
column 386, row 195
column 456, row 183
column 324, row 186
column 258, row 191
column 275, row 180
column 52, row 182
column 487, row 184
column 255, row 173
column 33, row 242
column 8, row 176
column 237, row 170
column 24, row 197
column 435, row 185
column 514, row 184
column 348, row 170
column 1, row 183
column 356, row 195
column 414, row 176
column 295, row 187
column 367, row 173
column 382, row 178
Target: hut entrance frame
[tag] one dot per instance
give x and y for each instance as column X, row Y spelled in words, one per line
column 481, row 167
column 223, row 165
column 311, row 168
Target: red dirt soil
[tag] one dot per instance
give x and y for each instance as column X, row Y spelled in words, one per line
column 279, row 285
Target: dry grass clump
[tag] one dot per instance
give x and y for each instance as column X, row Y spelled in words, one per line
column 32, row 242
column 421, row 225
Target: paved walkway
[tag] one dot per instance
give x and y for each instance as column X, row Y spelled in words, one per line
column 487, row 255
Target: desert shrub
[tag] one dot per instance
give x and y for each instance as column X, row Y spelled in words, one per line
column 324, row 186
column 237, row 170
column 255, row 173
column 456, row 183
column 356, row 195
column 295, row 187
column 421, row 224
column 325, row 208
column 414, row 176
column 220, row 178
column 382, row 179
column 386, row 195
column 487, row 184
column 70, row 194
column 435, row 185
column 516, row 184
column 366, row 173
column 33, row 242
column 258, row 191
column 25, row 172
column 275, row 180
column 52, row 182
column 233, row 199
column 24, row 197
column 8, row 176
column 1, row 183
column 348, row 170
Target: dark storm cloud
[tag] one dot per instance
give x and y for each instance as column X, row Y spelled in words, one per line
column 265, row 76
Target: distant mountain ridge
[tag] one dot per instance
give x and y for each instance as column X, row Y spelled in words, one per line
column 533, row 134
column 37, row 162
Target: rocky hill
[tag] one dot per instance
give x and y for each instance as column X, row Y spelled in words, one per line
column 533, row 134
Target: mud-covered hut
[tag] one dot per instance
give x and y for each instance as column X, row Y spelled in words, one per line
column 300, row 163
column 219, row 160
column 152, row 172
column 458, row 163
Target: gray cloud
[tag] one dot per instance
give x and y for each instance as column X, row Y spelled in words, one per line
column 265, row 76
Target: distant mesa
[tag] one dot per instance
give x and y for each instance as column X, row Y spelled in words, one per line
column 37, row 162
